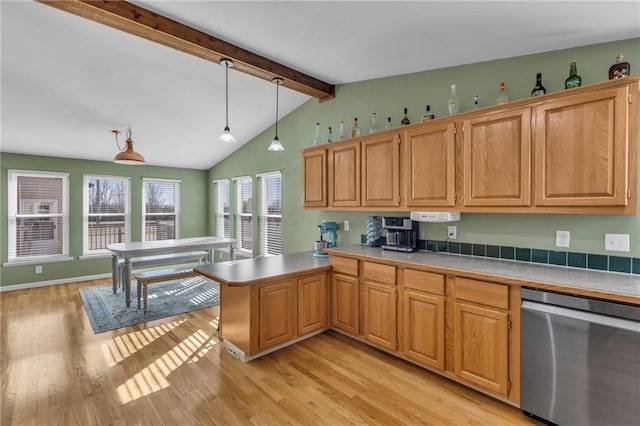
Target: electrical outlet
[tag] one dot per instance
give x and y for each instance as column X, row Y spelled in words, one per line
column 616, row 242
column 345, row 225
column 38, row 269
column 563, row 238
column 452, row 232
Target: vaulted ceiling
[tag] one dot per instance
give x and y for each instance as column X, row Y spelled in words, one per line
column 68, row 81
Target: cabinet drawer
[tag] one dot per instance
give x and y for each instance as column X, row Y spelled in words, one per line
column 486, row 293
column 424, row 281
column 379, row 272
column 345, row 265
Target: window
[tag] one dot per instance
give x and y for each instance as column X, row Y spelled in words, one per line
column 244, row 211
column 106, row 213
column 161, row 209
column 223, row 218
column 270, row 220
column 38, row 213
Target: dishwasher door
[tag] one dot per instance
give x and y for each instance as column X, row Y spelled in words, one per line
column 580, row 360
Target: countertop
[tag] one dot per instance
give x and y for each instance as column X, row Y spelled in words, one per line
column 610, row 285
column 252, row 271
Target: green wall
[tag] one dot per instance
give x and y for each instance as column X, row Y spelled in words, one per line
column 387, row 97
column 193, row 208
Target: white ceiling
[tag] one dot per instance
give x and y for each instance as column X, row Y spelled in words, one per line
column 67, row 82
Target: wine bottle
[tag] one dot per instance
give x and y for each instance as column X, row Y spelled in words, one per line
column 405, row 120
column 341, row 134
column 388, row 125
column 373, row 128
column 503, row 96
column 329, row 136
column 620, row 68
column 538, row 89
column 355, row 130
column 428, row 115
column 316, row 138
column 574, row 80
column 476, row 102
column 454, row 106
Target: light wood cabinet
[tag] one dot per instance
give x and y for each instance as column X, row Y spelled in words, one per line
column 481, row 334
column 429, row 165
column 381, row 170
column 380, row 304
column 313, row 313
column 423, row 317
column 314, row 178
column 344, row 302
column 344, row 174
column 277, row 312
column 497, row 158
column 581, row 149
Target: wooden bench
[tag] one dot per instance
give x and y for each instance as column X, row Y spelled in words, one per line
column 161, row 259
column 149, row 277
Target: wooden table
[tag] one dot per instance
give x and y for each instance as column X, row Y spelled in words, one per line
column 127, row 251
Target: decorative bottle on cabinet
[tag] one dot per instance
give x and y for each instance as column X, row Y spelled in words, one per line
column 329, row 135
column 476, row 102
column 538, row 89
column 373, row 127
column 341, row 134
column 355, row 130
column 619, row 69
column 503, row 96
column 388, row 125
column 428, row 115
column 574, row 80
column 316, row 138
column 454, row 106
column 405, row 120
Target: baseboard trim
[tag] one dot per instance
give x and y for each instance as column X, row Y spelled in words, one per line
column 59, row 281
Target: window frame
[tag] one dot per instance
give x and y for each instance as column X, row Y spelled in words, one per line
column 239, row 214
column 264, row 216
column 176, row 205
column 13, row 216
column 86, row 252
column 219, row 207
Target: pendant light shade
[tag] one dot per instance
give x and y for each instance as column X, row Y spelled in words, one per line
column 226, row 135
column 127, row 155
column 276, row 145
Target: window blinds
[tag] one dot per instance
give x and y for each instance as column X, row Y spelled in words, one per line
column 270, row 220
column 160, row 209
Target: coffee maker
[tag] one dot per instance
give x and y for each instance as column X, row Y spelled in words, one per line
column 402, row 234
column 331, row 229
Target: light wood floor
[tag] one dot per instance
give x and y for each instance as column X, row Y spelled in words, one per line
column 54, row 370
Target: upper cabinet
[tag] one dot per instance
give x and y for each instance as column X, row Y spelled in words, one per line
column 582, row 149
column 572, row 151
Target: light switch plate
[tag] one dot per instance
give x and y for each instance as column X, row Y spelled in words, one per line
column 617, row 242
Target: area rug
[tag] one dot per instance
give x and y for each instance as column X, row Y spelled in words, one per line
column 108, row 311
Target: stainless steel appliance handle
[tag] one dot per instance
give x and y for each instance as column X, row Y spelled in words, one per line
column 582, row 315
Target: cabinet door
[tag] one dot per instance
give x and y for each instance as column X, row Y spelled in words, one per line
column 312, row 304
column 581, row 149
column 481, row 346
column 497, row 159
column 429, row 165
column 424, row 328
column 344, row 174
column 344, row 303
column 314, row 178
column 380, row 320
column 277, row 307
column 381, row 171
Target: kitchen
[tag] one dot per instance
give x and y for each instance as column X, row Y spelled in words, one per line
column 387, row 97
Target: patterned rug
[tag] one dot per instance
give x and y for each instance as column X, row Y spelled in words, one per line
column 108, row 311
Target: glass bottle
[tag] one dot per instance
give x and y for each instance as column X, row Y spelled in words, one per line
column 620, row 68
column 454, row 106
column 373, row 128
column 341, row 133
column 538, row 89
column 329, row 136
column 503, row 96
column 355, row 130
column 476, row 102
column 405, row 120
column 388, row 125
column 316, row 138
column 574, row 80
column 428, row 115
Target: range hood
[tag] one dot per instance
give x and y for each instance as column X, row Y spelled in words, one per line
column 435, row 216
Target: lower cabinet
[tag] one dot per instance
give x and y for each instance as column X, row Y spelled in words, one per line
column 313, row 313
column 380, row 314
column 344, row 303
column 277, row 307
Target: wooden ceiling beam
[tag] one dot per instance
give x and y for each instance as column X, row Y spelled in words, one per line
column 157, row 28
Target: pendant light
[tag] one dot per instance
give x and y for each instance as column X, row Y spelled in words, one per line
column 276, row 145
column 127, row 155
column 226, row 135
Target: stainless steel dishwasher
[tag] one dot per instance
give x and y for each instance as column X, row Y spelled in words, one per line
column 579, row 359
